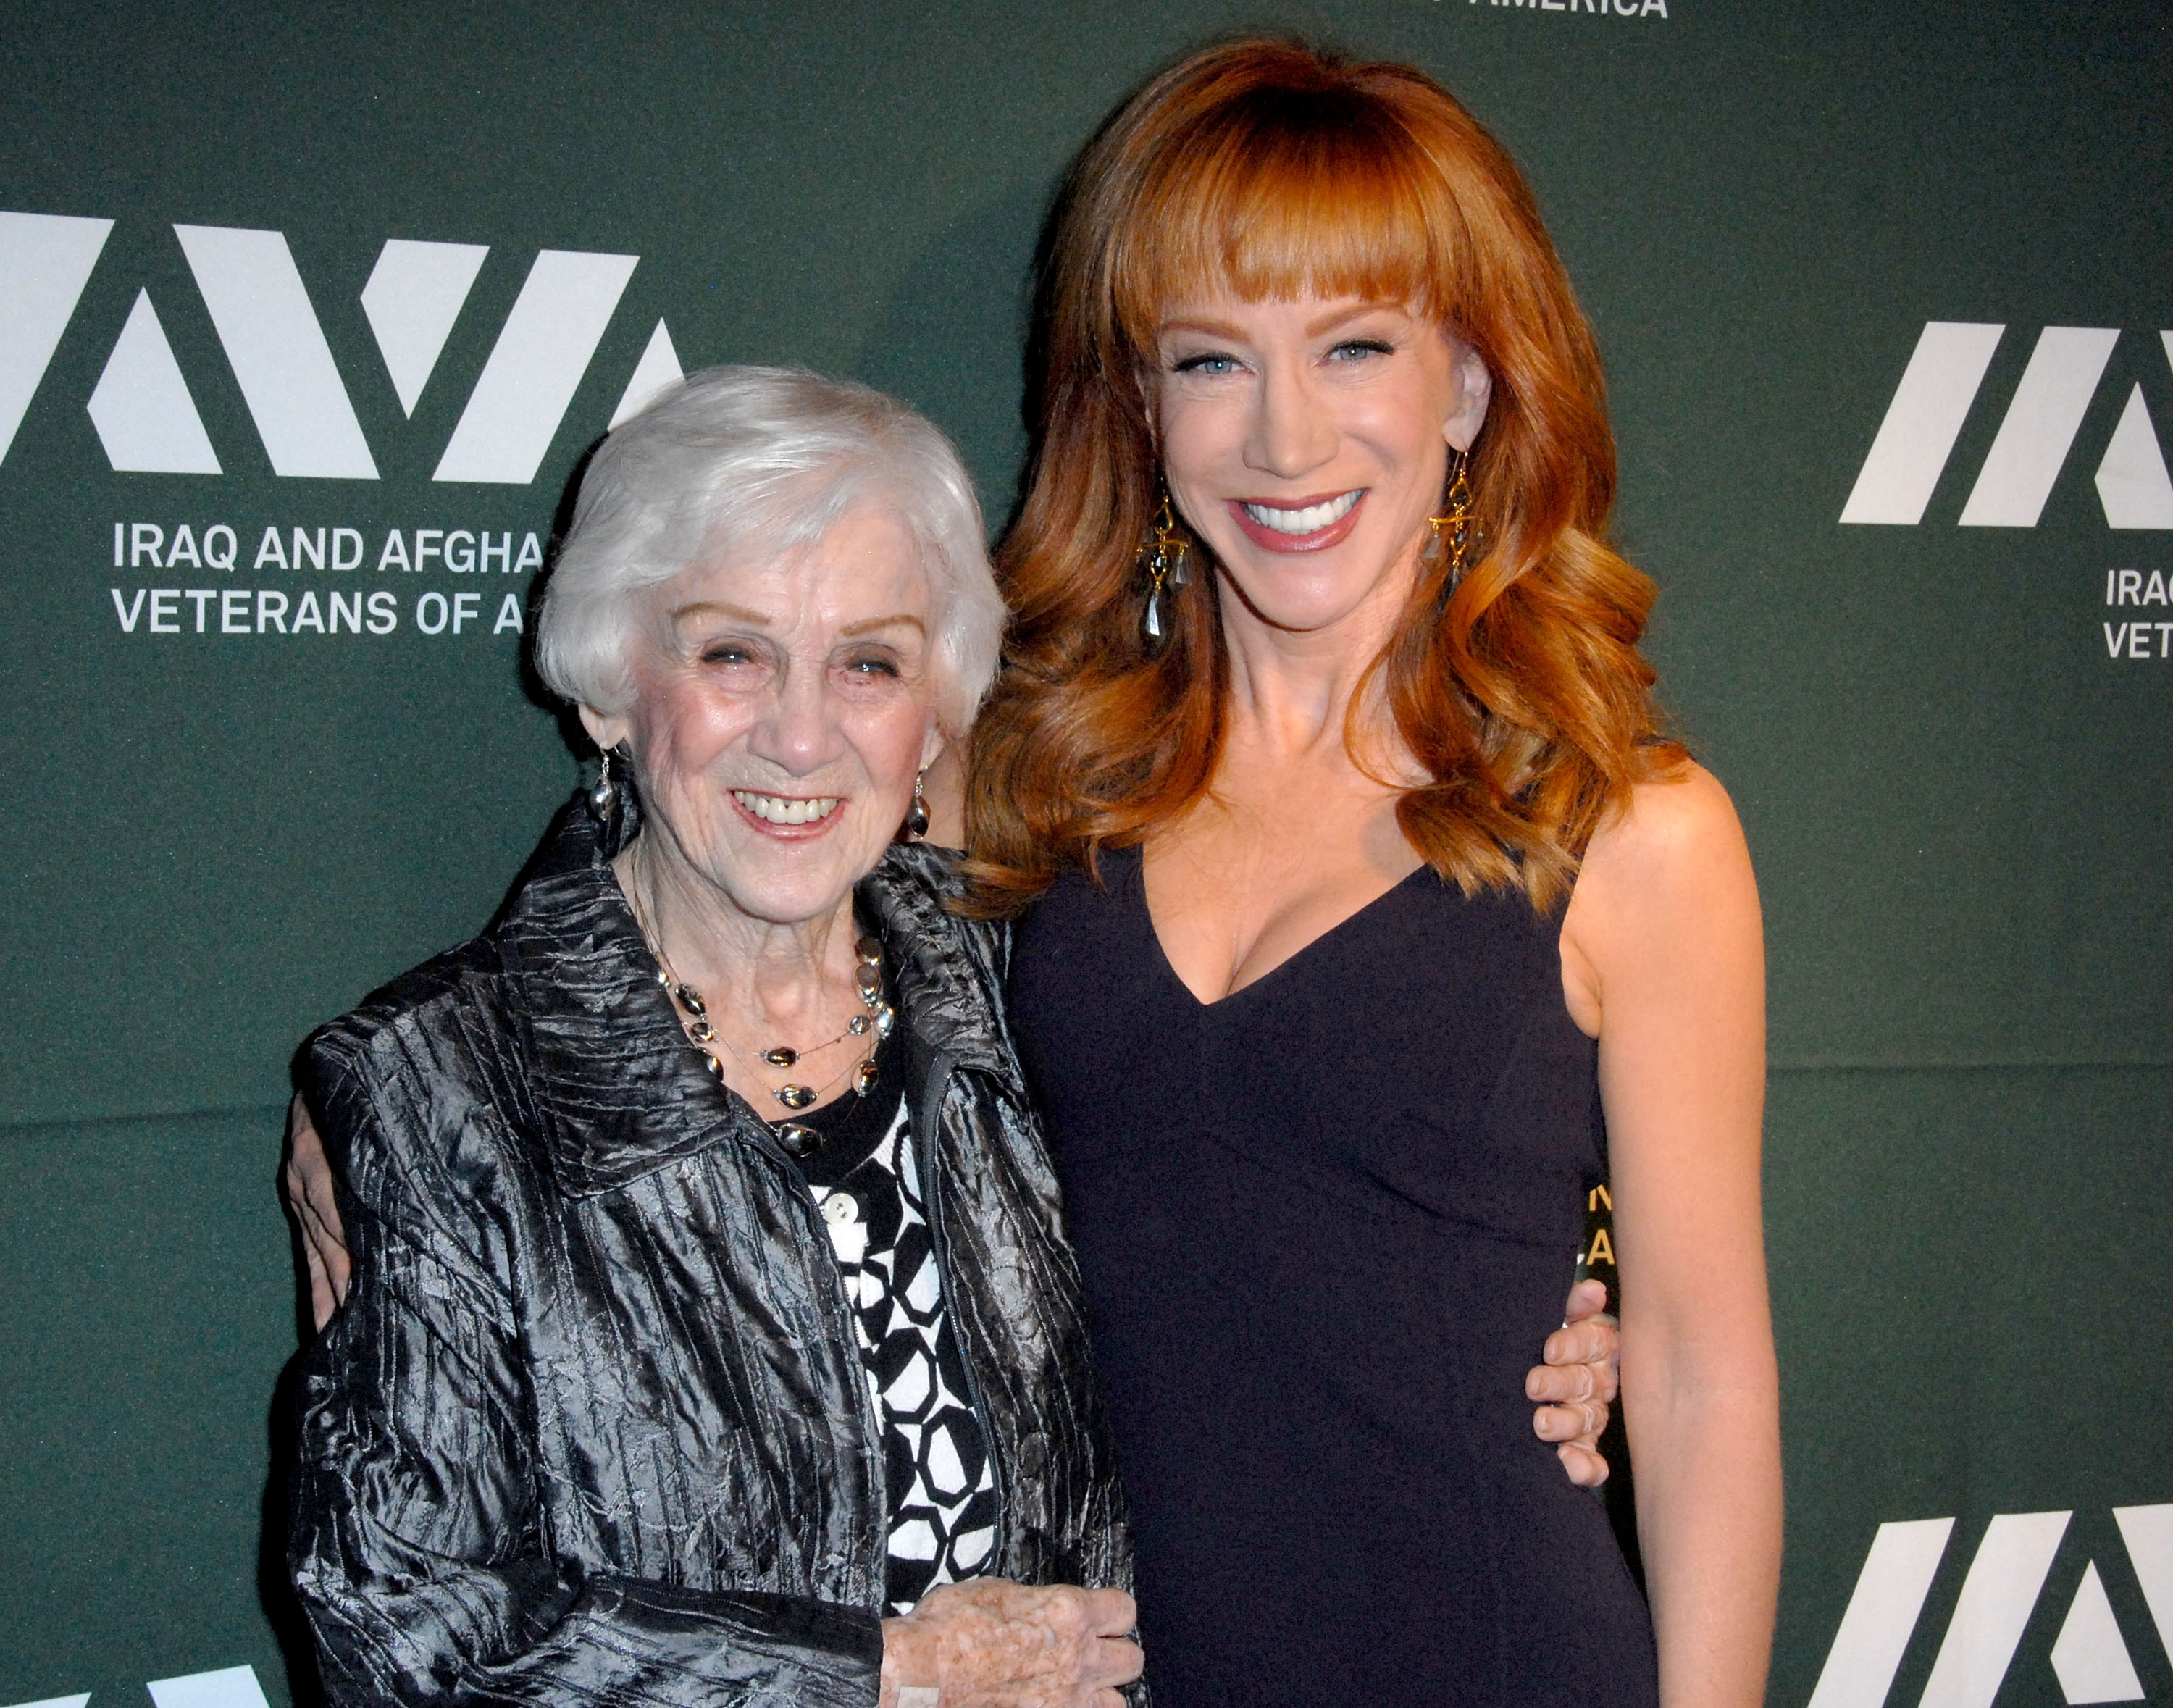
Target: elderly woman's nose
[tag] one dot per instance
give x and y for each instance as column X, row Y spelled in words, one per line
column 799, row 729
column 1291, row 433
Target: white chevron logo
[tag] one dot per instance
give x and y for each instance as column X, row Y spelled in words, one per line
column 229, row 1687
column 2090, row 1656
column 147, row 419
column 1940, row 384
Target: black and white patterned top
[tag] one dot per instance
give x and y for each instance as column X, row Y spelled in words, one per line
column 865, row 1179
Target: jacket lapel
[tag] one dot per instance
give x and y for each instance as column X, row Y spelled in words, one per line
column 616, row 1090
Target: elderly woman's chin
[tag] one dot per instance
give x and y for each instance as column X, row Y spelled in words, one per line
column 800, row 862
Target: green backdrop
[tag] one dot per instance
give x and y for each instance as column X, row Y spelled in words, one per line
column 1950, row 750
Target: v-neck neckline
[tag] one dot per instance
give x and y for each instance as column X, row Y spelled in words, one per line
column 1304, row 950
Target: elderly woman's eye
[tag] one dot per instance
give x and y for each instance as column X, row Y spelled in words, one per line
column 875, row 665
column 725, row 652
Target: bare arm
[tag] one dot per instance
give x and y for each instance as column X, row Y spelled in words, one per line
column 1662, row 948
column 313, row 1202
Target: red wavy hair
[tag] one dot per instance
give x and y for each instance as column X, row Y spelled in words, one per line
column 1268, row 170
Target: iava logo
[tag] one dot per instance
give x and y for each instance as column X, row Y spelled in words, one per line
column 1933, row 399
column 2090, row 1658
column 147, row 419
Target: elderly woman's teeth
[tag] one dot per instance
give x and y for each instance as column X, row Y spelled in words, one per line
column 775, row 809
column 1309, row 520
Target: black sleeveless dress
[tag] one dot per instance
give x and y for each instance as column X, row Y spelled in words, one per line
column 1325, row 1224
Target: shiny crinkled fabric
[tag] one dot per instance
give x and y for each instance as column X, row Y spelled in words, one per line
column 591, row 1425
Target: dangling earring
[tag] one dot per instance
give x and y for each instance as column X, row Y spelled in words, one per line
column 916, row 816
column 1165, row 557
column 607, row 803
column 1453, row 528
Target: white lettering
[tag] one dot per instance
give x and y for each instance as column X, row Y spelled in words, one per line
column 128, row 613
column 144, row 540
column 426, row 545
column 307, row 614
column 502, row 551
column 394, row 551
column 2131, row 588
column 233, row 610
column 116, row 547
column 465, row 607
column 200, row 597
column 185, row 542
column 2139, row 640
column 460, row 559
column 342, row 539
column 267, row 612
column 269, row 551
column 383, row 613
column 2154, row 594
column 233, row 547
column 314, row 550
column 164, row 607
column 342, row 612
column 2114, row 639
column 1652, row 6
column 530, row 557
column 509, row 616
column 423, row 605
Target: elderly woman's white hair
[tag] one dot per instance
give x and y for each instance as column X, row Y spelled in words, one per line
column 733, row 462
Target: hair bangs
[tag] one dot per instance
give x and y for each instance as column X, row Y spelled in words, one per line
column 1289, row 194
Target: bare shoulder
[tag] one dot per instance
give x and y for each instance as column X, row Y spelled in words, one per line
column 1674, row 830
column 1666, row 893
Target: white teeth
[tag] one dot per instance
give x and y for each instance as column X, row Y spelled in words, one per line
column 776, row 808
column 1310, row 521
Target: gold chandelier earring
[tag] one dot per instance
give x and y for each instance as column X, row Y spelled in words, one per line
column 1165, row 559
column 1453, row 528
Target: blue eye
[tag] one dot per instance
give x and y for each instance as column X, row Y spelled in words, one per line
column 1211, row 363
column 1354, row 349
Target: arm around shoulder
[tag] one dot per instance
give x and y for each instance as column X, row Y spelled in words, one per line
column 1664, row 957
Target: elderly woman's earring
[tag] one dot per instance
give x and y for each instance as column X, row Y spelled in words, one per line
column 916, row 816
column 607, row 803
column 1166, row 560
column 1453, row 528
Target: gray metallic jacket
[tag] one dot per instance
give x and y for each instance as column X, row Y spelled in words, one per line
column 593, row 1424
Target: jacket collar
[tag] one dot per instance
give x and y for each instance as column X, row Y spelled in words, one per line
column 616, row 1089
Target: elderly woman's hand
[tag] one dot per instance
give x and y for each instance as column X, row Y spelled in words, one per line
column 1577, row 1383
column 308, row 1178
column 990, row 1643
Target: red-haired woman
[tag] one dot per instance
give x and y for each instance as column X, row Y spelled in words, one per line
column 1371, row 918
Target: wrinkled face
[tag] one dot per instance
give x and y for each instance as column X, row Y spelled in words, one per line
column 1307, row 442
column 781, row 711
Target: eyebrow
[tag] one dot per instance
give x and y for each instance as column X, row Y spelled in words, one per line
column 903, row 619
column 740, row 613
column 1328, row 322
column 700, row 606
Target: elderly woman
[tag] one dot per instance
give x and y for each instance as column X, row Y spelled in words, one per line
column 709, row 1301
